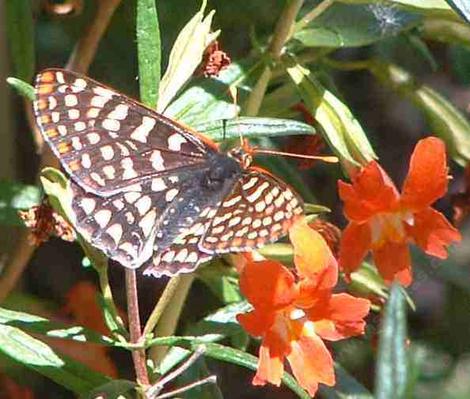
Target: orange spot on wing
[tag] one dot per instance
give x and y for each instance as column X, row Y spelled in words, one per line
column 45, row 89
column 64, row 148
column 47, row 77
column 52, row 133
column 42, row 104
column 74, row 165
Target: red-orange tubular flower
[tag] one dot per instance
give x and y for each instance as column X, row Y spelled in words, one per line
column 384, row 222
column 292, row 315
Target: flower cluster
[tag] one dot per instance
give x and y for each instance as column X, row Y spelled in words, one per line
column 384, row 222
column 295, row 310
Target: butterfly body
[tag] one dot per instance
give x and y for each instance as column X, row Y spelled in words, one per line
column 149, row 191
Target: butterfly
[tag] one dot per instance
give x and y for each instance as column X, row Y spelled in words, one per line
column 148, row 191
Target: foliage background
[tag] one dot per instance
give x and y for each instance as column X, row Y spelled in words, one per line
column 438, row 329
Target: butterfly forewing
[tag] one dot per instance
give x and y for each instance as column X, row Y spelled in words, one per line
column 259, row 210
column 105, row 140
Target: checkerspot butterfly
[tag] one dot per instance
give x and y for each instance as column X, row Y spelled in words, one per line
column 148, row 191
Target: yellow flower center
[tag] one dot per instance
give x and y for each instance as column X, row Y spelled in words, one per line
column 389, row 227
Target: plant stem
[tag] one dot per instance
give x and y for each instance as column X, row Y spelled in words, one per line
column 162, row 303
column 282, row 33
column 138, row 355
column 316, row 12
column 171, row 313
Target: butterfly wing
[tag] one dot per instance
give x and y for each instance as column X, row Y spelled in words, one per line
column 106, row 141
column 259, row 210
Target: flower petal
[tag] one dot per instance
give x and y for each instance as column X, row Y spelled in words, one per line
column 270, row 368
column 432, row 232
column 312, row 255
column 393, row 262
column 343, row 317
column 427, row 177
column 256, row 323
column 355, row 243
column 268, row 285
column 372, row 191
column 311, row 363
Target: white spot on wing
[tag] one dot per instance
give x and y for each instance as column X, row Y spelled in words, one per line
column 147, row 223
column 115, row 231
column 157, row 160
column 111, row 124
column 103, row 217
column 119, row 113
column 143, row 204
column 175, row 141
column 142, row 131
column 88, row 205
column 171, row 194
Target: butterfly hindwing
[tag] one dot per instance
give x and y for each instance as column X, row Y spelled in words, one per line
column 259, row 210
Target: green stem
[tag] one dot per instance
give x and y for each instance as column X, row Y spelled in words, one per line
column 316, row 12
column 282, row 32
column 170, row 314
column 162, row 303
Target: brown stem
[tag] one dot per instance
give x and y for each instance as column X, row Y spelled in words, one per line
column 80, row 61
column 282, row 33
column 135, row 329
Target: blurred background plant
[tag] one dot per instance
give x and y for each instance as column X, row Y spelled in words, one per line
column 371, row 77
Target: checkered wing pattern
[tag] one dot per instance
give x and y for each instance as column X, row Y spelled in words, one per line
column 260, row 209
column 106, row 141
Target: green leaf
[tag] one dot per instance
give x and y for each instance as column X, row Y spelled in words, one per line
column 15, row 197
column 20, row 32
column 186, row 55
column 222, row 281
column 40, row 325
column 208, row 99
column 451, row 32
column 346, row 387
column 240, row 358
column 220, row 129
column 279, row 251
column 461, row 7
column 120, row 389
column 340, row 128
column 149, row 51
column 23, row 88
column 446, row 121
column 38, row 356
column 392, row 362
column 353, row 25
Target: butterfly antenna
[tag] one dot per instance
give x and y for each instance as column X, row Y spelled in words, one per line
column 324, row 158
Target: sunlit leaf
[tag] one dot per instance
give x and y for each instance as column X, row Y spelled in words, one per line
column 462, row 7
column 23, row 88
column 148, row 50
column 186, row 55
column 14, row 197
column 391, row 373
column 38, row 356
column 340, row 128
column 252, row 127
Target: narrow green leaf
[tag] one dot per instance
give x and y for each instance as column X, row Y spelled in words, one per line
column 220, row 129
column 120, row 389
column 240, row 358
column 38, row 356
column 40, row 325
column 353, row 25
column 15, row 197
column 341, row 129
column 346, row 387
column 392, row 362
column 149, row 51
column 443, row 30
column 461, row 7
column 23, row 88
column 278, row 251
column 445, row 120
column 186, row 55
column 209, row 99
column 20, row 31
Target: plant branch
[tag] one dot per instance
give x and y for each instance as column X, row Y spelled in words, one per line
column 282, row 33
column 138, row 355
column 316, row 12
column 80, row 60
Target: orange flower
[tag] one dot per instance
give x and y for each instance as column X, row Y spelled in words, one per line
column 384, row 222
column 292, row 316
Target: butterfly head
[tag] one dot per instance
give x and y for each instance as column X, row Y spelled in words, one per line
column 243, row 154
